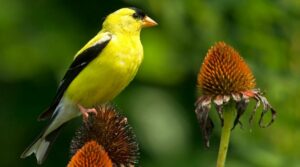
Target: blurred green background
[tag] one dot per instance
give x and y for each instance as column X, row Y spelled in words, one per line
column 39, row 38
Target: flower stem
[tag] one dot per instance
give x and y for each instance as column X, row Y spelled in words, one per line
column 228, row 113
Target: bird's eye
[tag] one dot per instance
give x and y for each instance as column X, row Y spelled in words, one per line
column 136, row 16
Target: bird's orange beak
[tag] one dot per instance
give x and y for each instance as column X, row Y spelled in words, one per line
column 148, row 22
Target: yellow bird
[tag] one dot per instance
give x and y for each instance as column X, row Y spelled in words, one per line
column 99, row 72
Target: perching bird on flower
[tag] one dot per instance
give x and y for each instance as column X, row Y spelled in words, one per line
column 99, row 72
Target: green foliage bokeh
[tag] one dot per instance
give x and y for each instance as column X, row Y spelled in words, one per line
column 39, row 38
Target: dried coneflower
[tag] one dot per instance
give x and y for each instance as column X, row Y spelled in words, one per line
column 113, row 135
column 91, row 155
column 226, row 80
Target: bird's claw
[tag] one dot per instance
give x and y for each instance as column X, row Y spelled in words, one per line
column 85, row 112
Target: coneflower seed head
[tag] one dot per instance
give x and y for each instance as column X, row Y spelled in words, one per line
column 224, row 72
column 90, row 155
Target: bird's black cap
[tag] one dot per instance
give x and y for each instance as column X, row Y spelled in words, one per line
column 139, row 14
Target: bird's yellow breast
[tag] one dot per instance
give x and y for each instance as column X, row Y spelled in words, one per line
column 108, row 74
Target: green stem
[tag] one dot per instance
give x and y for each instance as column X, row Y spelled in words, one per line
column 228, row 114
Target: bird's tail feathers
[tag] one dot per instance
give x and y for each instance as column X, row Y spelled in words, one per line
column 65, row 111
column 41, row 146
column 32, row 148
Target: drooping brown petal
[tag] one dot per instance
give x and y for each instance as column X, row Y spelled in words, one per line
column 206, row 124
column 254, row 110
column 224, row 72
column 266, row 108
column 241, row 108
column 236, row 97
column 219, row 109
column 113, row 132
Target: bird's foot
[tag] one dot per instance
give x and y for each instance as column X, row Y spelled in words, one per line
column 85, row 112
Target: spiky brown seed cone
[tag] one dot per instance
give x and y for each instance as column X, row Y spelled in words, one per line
column 112, row 131
column 90, row 155
column 224, row 72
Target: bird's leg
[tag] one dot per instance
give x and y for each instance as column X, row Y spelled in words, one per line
column 85, row 112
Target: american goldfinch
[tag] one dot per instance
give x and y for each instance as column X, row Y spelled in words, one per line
column 99, row 72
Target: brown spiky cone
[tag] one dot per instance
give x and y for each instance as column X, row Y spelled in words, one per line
column 91, row 155
column 224, row 72
column 111, row 132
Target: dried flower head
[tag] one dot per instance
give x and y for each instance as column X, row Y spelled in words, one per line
column 224, row 72
column 224, row 76
column 112, row 131
column 90, row 155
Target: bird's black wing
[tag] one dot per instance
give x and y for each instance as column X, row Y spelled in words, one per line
column 79, row 63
